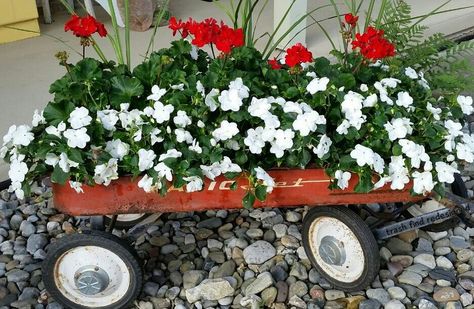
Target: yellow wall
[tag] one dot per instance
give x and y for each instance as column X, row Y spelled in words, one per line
column 21, row 14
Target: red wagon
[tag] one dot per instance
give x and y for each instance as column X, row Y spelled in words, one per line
column 97, row 270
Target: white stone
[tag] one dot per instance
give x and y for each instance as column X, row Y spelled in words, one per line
column 443, row 262
column 425, row 259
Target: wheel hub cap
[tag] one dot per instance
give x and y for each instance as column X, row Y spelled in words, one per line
column 91, row 280
column 332, row 251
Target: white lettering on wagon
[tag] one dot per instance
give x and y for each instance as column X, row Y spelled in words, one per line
column 225, row 185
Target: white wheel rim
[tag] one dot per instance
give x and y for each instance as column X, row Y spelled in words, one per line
column 336, row 249
column 71, row 264
column 128, row 218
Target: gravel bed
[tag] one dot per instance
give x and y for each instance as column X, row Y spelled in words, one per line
column 240, row 259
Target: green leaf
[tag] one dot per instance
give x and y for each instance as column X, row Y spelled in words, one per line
column 233, row 186
column 248, row 200
column 87, row 70
column 365, row 183
column 123, row 89
column 241, row 158
column 397, row 150
column 54, row 113
column 345, row 80
column 58, row 175
column 261, row 192
column 75, row 155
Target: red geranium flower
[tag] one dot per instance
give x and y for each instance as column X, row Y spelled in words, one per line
column 351, row 19
column 373, row 45
column 84, row 27
column 297, row 54
column 274, row 64
column 209, row 32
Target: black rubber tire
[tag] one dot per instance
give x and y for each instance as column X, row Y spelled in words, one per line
column 100, row 239
column 124, row 224
column 364, row 236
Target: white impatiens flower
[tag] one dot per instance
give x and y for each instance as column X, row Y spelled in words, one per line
column 17, row 171
column 108, row 118
column 17, row 188
column 22, row 136
column 364, row 88
column 390, row 82
column 464, row 152
column 195, row 146
column 466, row 104
column 164, row 171
column 183, row 136
column 454, row 130
column 308, row 122
column 398, row 173
column 200, row 124
column 194, row 52
column 226, row 131
column 398, row 128
column 232, row 144
column 352, row 109
column 210, row 99
column 182, row 119
column 77, row 138
column 57, row 131
column 282, row 140
column 179, row 87
column 194, row 183
column 292, row 107
column 323, row 147
column 445, row 172
column 156, row 93
column 76, row 185
column 433, row 110
column 146, row 183
column 137, row 136
column 117, row 149
column 145, row 159
column 271, row 121
column 342, row 179
column 423, row 82
column 266, row 179
column 404, row 99
column 211, row 171
column 370, row 101
column 131, row 119
column 411, row 73
column 231, row 100
column 317, row 85
column 51, row 159
column 383, row 93
column 200, row 88
column 38, row 118
column 414, row 151
column 171, row 153
column 343, row 127
column 226, row 166
column 154, row 138
column 65, row 163
column 363, row 155
column 259, row 107
column 254, row 140
column 162, row 112
column 79, row 117
column 379, row 164
column 105, row 173
column 423, row 182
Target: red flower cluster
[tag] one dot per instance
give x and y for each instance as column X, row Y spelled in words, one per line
column 373, row 45
column 274, row 64
column 297, row 54
column 84, row 27
column 209, row 32
column 351, row 20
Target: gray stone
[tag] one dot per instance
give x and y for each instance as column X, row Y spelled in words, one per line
column 443, row 262
column 396, row 292
column 259, row 252
column 36, row 242
column 394, row 304
column 457, row 243
column 280, row 230
column 426, row 304
column 379, row 294
column 464, row 255
column 411, row 278
column 425, row 259
column 263, row 281
column 334, row 294
column 225, row 270
column 424, row 245
column 398, row 246
column 278, row 273
column 299, row 271
column 269, row 296
column 254, row 233
column 169, row 248
column 210, row 289
column 17, row 275
column 370, row 304
column 151, row 288
column 27, row 228
column 210, row 223
column 299, row 288
column 292, row 216
column 193, row 277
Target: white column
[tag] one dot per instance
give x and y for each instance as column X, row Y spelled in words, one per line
column 298, row 9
